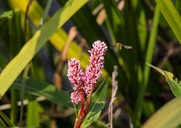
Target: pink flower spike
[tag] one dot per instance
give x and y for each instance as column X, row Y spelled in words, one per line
column 75, row 73
column 85, row 82
column 93, row 71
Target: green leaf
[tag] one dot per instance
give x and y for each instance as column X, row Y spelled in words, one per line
column 7, row 14
column 33, row 118
column 97, row 104
column 166, row 117
column 45, row 14
column 175, row 86
column 30, row 49
column 59, row 38
column 4, row 121
column 115, row 19
column 149, row 55
column 40, row 88
column 171, row 15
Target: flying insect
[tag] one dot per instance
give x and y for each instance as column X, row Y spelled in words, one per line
column 120, row 45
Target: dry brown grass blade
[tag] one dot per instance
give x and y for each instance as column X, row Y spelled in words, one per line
column 113, row 96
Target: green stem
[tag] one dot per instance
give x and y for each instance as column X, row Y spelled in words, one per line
column 25, row 74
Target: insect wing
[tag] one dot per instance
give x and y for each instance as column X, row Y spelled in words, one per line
column 127, row 47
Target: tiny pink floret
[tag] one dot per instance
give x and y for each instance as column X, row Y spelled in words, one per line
column 75, row 97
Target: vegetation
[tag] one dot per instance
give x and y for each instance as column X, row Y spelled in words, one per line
column 37, row 39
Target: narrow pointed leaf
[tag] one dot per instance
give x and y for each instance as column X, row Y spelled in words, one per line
column 40, row 88
column 97, row 104
column 145, row 77
column 175, row 86
column 171, row 15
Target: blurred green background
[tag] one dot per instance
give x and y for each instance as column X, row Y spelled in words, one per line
column 151, row 27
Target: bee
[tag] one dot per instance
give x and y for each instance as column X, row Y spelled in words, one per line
column 119, row 46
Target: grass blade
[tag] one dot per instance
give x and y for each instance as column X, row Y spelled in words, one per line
column 14, row 68
column 39, row 88
column 5, row 121
column 166, row 117
column 149, row 55
column 171, row 15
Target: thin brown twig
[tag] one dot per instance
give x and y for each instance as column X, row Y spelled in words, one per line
column 26, row 15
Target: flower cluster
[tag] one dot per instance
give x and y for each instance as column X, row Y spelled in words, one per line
column 85, row 81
